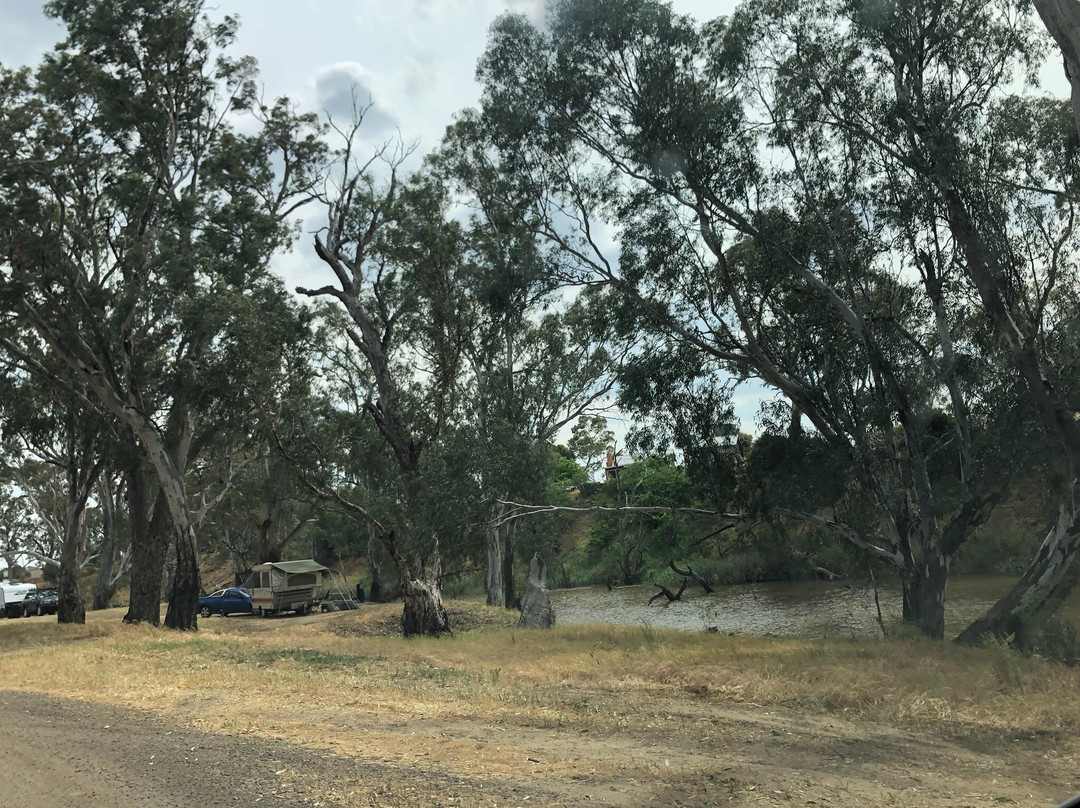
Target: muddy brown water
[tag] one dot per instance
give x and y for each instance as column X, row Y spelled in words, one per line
column 783, row 609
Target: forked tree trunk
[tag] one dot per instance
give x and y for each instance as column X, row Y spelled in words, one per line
column 496, row 593
column 424, row 613
column 1040, row 589
column 81, row 479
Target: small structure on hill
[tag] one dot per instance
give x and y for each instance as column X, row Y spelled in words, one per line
column 536, row 611
column 614, row 464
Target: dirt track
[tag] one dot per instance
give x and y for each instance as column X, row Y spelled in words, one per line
column 99, row 756
column 70, row 753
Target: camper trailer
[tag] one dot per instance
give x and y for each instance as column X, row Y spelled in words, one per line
column 12, row 597
column 287, row 586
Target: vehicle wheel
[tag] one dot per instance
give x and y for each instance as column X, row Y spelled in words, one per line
column 204, row 611
column 324, row 608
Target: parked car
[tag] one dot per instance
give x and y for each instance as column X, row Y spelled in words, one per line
column 48, row 600
column 225, row 602
column 339, row 602
column 31, row 605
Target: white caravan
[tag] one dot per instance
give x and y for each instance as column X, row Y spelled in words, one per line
column 12, row 597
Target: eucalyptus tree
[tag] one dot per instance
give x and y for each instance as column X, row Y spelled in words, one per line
column 1062, row 20
column 134, row 215
column 396, row 260
column 750, row 236
column 999, row 165
column 59, row 450
column 541, row 355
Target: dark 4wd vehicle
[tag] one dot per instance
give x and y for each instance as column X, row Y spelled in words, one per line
column 41, row 601
column 47, row 600
column 30, row 604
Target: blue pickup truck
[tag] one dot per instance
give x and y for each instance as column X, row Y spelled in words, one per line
column 225, row 602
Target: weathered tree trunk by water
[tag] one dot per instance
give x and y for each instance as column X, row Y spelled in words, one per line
column 924, row 593
column 536, row 611
column 689, row 573
column 424, row 613
column 1042, row 587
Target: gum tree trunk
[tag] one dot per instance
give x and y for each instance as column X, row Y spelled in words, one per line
column 149, row 543
column 494, row 585
column 930, row 595
column 1039, row 591
column 510, row 599
column 1062, row 20
column 69, row 605
column 107, row 576
column 424, row 613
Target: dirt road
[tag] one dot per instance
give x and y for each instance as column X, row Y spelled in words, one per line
column 100, row 756
column 96, row 756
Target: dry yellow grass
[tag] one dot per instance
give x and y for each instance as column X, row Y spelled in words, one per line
column 348, row 659
column 338, row 682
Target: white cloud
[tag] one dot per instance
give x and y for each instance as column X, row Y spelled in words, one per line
column 345, row 87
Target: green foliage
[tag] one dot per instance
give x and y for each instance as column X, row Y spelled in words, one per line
column 804, row 473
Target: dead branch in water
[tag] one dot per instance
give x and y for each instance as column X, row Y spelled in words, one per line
column 667, row 593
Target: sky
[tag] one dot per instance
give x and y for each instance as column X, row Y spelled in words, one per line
column 416, row 58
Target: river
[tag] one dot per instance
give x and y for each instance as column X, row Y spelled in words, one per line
column 782, row 608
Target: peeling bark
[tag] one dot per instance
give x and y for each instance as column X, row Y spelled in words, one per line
column 1040, row 590
column 424, row 613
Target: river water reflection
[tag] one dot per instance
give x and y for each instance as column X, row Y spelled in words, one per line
column 784, row 608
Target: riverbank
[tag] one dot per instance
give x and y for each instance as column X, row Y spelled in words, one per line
column 598, row 715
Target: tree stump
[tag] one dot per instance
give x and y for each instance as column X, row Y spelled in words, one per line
column 536, row 611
